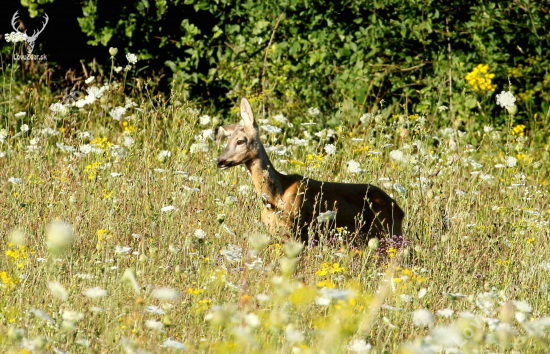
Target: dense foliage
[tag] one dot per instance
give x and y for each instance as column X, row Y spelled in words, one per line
column 354, row 52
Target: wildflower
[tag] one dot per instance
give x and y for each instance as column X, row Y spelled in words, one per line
column 481, row 79
column 442, row 108
column 43, row 315
column 398, row 156
column 117, row 113
column 445, row 313
column 313, row 111
column 510, row 161
column 153, row 324
column 128, row 141
column 166, row 294
column 326, row 216
column 292, row 335
column 373, row 243
column 89, row 80
column 132, row 58
column 118, row 69
column 198, row 147
column 365, row 117
column 57, row 290
column 15, row 37
column 330, row 149
column 205, row 120
column 422, row 318
column 59, row 235
column 94, row 293
column 422, row 292
column 506, row 99
column 200, row 234
column 20, row 114
column 113, row 51
column 72, row 316
column 170, row 343
column 167, row 208
column 232, row 253
column 322, row 301
column 122, row 250
column 359, row 346
column 353, row 167
column 163, row 156
column 154, row 310
column 522, row 306
column 280, row 118
column 271, row 129
column 59, row 108
column 252, row 320
column 24, row 128
column 15, row 180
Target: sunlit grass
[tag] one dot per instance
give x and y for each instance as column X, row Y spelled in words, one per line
column 119, row 234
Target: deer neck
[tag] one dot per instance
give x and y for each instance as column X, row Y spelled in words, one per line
column 265, row 177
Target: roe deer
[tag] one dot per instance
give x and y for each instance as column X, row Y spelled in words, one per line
column 292, row 201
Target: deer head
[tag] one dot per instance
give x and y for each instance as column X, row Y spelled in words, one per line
column 30, row 39
column 244, row 143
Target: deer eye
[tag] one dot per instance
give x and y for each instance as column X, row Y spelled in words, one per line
column 240, row 142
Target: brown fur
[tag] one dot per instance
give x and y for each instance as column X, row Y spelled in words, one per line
column 294, row 202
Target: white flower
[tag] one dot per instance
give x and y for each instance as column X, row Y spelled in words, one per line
column 59, row 235
column 132, row 58
column 15, row 37
column 442, row 108
column 232, row 253
column 322, row 301
column 422, row 292
column 96, row 92
column 127, row 141
column 271, row 129
column 59, row 108
column 198, row 147
column 166, row 294
column 116, row 174
column 522, row 306
column 205, row 120
column 20, row 114
column 326, row 216
column 24, row 128
column 122, row 249
column 167, row 208
column 353, row 167
column 398, row 156
column 330, row 149
column 117, row 112
column 173, row 344
column 292, row 335
column 445, row 313
column 297, row 141
column 204, row 135
column 94, row 293
column 43, row 315
column 15, row 180
column 118, row 69
column 510, row 161
column 85, row 149
column 252, row 320
column 365, row 117
column 89, row 80
column 152, row 324
column 359, row 346
column 163, row 156
column 313, row 111
column 487, row 129
column 154, row 310
column 57, row 290
column 72, row 316
column 506, row 99
column 280, row 118
column 422, row 318
column 199, row 233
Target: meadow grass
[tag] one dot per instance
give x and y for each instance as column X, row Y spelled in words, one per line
column 122, row 236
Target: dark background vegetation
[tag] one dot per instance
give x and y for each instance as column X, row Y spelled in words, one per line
column 343, row 57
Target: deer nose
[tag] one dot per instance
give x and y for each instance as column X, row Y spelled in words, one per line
column 219, row 162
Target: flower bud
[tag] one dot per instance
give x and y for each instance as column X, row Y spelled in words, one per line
column 113, row 51
column 373, row 244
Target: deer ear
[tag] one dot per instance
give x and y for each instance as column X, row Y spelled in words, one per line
column 226, row 131
column 247, row 115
